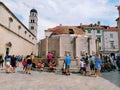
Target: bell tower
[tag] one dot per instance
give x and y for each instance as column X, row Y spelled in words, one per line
column 33, row 21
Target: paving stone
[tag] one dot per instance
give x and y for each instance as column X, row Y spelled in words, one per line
column 40, row 80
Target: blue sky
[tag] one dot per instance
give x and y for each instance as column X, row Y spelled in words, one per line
column 66, row 12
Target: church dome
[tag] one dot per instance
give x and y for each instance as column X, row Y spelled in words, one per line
column 33, row 10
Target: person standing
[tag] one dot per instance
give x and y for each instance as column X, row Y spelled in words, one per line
column 92, row 64
column 1, row 61
column 63, row 67
column 49, row 57
column 67, row 61
column 24, row 64
column 13, row 63
column 82, row 65
column 98, row 63
column 29, row 64
column 7, row 63
column 87, row 67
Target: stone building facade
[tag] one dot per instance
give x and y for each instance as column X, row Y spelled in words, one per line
column 94, row 31
column 107, row 37
column 15, row 38
column 118, row 25
column 110, row 40
column 67, row 39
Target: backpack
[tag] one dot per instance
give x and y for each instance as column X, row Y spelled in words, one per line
column 92, row 61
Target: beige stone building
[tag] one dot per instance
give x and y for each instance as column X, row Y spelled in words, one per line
column 66, row 39
column 106, row 35
column 16, row 38
column 118, row 24
column 110, row 40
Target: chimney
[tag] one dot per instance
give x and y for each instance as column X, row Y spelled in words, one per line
column 80, row 24
column 60, row 25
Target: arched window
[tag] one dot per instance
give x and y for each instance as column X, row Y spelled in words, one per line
column 19, row 27
column 25, row 32
column 71, row 31
column 33, row 21
column 10, row 21
column 29, row 35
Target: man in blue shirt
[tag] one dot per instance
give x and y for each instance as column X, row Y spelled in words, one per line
column 67, row 62
column 98, row 63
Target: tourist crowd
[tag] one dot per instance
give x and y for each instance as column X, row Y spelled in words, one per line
column 89, row 64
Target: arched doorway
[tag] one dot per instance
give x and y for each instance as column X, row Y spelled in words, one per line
column 8, row 46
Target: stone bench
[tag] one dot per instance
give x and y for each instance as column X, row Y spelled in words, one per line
column 58, row 69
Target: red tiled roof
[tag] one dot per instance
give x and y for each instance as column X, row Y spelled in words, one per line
column 65, row 30
column 110, row 28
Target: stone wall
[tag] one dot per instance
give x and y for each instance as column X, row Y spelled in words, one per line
column 15, row 25
column 19, row 46
column 13, row 32
column 53, row 46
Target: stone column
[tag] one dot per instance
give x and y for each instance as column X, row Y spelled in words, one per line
column 89, row 39
column 46, row 46
column 74, row 53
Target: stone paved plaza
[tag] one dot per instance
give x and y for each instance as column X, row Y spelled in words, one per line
column 39, row 80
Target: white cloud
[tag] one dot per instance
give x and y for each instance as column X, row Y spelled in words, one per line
column 66, row 12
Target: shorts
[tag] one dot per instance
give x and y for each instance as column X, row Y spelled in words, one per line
column 8, row 63
column 92, row 67
column 29, row 65
column 67, row 66
column 98, row 68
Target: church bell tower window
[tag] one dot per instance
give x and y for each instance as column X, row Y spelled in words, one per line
column 32, row 28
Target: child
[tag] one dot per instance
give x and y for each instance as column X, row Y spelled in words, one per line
column 63, row 67
column 82, row 66
column 29, row 64
column 24, row 64
column 87, row 67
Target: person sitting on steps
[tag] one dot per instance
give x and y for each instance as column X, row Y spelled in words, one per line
column 52, row 65
column 40, row 65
